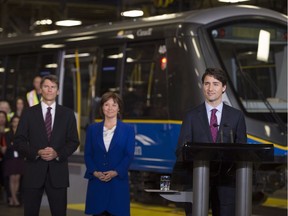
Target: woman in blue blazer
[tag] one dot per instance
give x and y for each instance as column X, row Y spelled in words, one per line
column 109, row 150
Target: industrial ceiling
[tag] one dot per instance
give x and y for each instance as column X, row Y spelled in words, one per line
column 19, row 17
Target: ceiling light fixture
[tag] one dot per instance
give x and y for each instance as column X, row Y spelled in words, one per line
column 52, row 46
column 81, row 38
column 43, row 22
column 132, row 13
column 46, row 33
column 79, row 55
column 232, row 1
column 68, row 23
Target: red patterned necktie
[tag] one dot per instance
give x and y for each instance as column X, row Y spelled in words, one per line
column 213, row 124
column 48, row 122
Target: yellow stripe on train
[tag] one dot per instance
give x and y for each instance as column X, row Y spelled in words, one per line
column 177, row 122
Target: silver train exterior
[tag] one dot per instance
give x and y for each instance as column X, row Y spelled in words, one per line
column 156, row 64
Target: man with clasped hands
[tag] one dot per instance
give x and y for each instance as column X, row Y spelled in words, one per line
column 46, row 143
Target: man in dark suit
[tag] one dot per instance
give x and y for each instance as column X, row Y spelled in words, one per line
column 228, row 124
column 46, row 136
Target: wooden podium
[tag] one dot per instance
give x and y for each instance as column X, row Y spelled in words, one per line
column 243, row 155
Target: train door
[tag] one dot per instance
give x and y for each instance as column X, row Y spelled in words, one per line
column 145, row 95
column 79, row 68
column 107, row 76
column 87, row 74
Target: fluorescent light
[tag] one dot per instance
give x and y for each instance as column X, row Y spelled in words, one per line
column 13, row 34
column 1, row 29
column 116, row 56
column 2, row 70
column 122, row 34
column 263, row 46
column 46, row 33
column 132, row 13
column 52, row 46
column 232, row 1
column 68, row 23
column 43, row 22
column 52, row 65
column 79, row 55
column 81, row 38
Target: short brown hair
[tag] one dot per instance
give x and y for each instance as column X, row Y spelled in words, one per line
column 52, row 78
column 116, row 98
column 217, row 73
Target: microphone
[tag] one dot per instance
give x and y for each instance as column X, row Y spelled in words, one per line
column 230, row 132
column 231, row 136
column 221, row 132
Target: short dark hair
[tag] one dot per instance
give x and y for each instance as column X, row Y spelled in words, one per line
column 217, row 73
column 116, row 98
column 52, row 78
column 6, row 118
column 14, row 117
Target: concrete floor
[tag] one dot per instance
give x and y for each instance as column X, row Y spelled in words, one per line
column 77, row 191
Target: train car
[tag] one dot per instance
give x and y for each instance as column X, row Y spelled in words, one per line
column 156, row 64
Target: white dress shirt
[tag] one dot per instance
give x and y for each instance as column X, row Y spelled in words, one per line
column 44, row 111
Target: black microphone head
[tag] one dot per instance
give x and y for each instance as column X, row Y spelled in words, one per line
column 215, row 125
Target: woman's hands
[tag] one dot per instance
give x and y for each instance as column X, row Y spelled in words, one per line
column 105, row 176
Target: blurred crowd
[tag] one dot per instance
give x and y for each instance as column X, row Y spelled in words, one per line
column 11, row 163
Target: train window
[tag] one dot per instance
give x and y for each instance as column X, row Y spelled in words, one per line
column 109, row 70
column 69, row 89
column 145, row 81
column 258, row 73
column 11, row 79
column 105, row 75
column 19, row 71
column 2, row 78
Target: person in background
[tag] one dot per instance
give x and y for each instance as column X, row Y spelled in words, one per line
column 5, row 106
column 211, row 122
column 34, row 96
column 46, row 136
column 20, row 105
column 109, row 150
column 13, row 164
column 3, row 147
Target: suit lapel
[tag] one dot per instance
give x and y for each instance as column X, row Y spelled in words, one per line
column 115, row 135
column 224, row 118
column 39, row 118
column 57, row 121
column 99, row 135
column 224, row 124
column 205, row 122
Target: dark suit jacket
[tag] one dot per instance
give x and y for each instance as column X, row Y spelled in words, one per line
column 31, row 136
column 195, row 128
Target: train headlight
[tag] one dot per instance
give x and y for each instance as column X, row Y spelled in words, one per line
column 163, row 63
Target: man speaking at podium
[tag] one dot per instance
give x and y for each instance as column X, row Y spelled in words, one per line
column 215, row 122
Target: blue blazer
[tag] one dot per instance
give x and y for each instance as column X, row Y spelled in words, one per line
column 112, row 196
